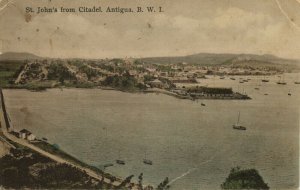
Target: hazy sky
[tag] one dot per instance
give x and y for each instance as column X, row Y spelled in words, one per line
column 186, row 27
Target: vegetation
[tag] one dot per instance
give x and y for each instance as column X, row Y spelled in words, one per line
column 90, row 72
column 123, row 82
column 140, row 183
column 244, row 179
column 164, row 185
column 59, row 71
column 125, row 182
column 148, row 78
column 9, row 71
column 26, row 169
column 58, row 176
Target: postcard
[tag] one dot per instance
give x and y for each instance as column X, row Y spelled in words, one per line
column 149, row 94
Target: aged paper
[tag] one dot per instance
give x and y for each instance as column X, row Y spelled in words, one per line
column 149, row 94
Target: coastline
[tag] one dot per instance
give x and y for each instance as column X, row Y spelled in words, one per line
column 58, row 156
column 235, row 95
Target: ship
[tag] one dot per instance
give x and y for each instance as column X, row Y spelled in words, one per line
column 297, row 81
column 119, row 161
column 238, row 126
column 281, row 82
column 265, row 80
column 147, row 161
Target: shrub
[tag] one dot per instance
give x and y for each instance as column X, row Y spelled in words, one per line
column 244, row 179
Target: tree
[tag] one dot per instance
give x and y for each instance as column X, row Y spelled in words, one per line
column 140, row 184
column 244, row 179
column 164, row 185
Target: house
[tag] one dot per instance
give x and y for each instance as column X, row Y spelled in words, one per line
column 25, row 134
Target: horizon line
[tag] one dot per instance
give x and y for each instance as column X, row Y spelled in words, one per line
column 155, row 56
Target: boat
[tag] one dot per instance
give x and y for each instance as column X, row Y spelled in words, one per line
column 232, row 78
column 202, row 104
column 289, row 93
column 147, row 161
column 297, row 81
column 256, row 88
column 108, row 165
column 241, row 81
column 265, row 80
column 281, row 82
column 266, row 94
column 238, row 126
column 121, row 162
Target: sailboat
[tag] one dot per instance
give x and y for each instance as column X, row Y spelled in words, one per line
column 119, row 161
column 147, row 161
column 238, row 126
column 289, row 93
column 282, row 82
column 297, row 81
column 264, row 80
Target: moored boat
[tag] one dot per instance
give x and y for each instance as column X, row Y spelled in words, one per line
column 238, row 126
column 121, row 162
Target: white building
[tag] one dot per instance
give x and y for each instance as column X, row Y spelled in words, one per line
column 25, row 134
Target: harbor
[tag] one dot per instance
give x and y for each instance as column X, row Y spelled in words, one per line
column 180, row 136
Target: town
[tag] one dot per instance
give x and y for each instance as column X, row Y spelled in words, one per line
column 182, row 80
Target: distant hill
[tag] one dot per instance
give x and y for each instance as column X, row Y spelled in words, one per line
column 13, row 56
column 201, row 58
column 219, row 59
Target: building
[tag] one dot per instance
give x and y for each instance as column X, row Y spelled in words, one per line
column 25, row 134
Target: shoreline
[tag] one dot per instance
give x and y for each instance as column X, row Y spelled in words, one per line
column 56, row 155
column 234, row 96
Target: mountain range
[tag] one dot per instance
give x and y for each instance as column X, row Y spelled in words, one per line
column 220, row 59
column 201, row 58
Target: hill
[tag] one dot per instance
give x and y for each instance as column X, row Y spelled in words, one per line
column 219, row 59
column 17, row 56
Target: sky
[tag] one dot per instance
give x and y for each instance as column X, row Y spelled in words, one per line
column 185, row 27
